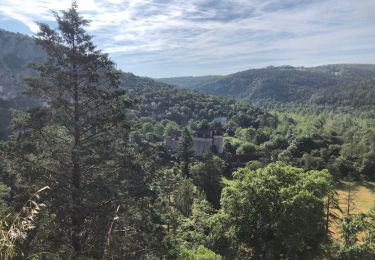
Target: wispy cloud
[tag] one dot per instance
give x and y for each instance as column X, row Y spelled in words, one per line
column 178, row 37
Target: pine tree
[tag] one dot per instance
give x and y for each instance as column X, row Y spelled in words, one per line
column 332, row 208
column 185, row 153
column 207, row 176
column 349, row 201
column 76, row 143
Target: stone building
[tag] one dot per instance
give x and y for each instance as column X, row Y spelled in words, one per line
column 205, row 140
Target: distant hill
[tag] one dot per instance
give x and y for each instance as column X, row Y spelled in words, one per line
column 330, row 85
column 163, row 101
column 16, row 51
column 190, row 82
column 289, row 84
column 157, row 100
column 360, row 95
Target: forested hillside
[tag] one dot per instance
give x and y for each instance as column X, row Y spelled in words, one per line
column 154, row 99
column 16, row 51
column 190, row 82
column 163, row 101
column 330, row 85
column 359, row 95
column 292, row 84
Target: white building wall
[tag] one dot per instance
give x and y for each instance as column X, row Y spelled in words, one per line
column 219, row 143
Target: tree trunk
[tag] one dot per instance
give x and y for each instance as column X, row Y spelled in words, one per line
column 77, row 214
column 349, row 198
column 327, row 216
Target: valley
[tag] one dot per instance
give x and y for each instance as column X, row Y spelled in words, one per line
column 99, row 163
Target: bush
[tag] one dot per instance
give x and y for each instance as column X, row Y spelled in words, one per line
column 201, row 253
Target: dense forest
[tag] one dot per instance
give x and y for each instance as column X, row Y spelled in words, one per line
column 85, row 172
column 344, row 84
column 190, row 82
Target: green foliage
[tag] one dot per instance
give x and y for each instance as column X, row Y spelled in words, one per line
column 190, row 82
column 247, row 152
column 358, row 95
column 352, row 228
column 356, row 252
column 330, row 85
column 276, row 211
column 184, row 197
column 3, row 205
column 192, row 231
column 185, row 152
column 201, row 253
column 332, row 210
column 207, row 176
column 78, row 145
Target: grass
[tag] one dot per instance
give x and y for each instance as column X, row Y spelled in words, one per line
column 363, row 194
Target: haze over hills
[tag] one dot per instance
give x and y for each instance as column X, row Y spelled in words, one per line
column 287, row 83
column 191, row 82
column 156, row 99
column 272, row 84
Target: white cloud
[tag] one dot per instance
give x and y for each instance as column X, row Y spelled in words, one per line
column 217, row 33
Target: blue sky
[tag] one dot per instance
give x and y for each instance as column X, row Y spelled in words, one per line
column 164, row 38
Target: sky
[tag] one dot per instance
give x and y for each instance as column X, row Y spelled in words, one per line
column 168, row 38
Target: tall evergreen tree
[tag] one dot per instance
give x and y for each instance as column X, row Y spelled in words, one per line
column 185, row 152
column 77, row 143
column 207, row 176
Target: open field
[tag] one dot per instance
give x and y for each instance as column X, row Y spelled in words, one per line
column 363, row 194
column 363, row 199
